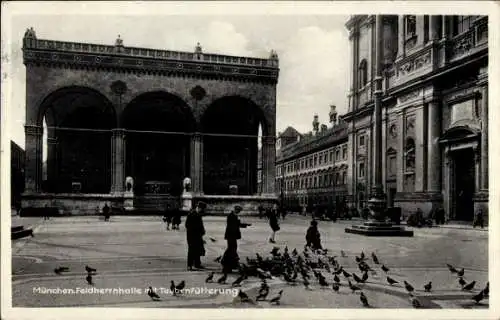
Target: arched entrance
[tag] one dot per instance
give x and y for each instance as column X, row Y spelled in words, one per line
column 157, row 146
column 461, row 146
column 79, row 122
column 231, row 127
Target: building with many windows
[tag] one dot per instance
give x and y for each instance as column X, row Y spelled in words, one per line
column 433, row 88
column 312, row 168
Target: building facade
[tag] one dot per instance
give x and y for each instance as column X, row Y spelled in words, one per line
column 311, row 169
column 434, row 100
column 149, row 117
column 16, row 174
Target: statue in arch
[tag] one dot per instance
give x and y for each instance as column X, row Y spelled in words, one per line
column 129, row 184
column 186, row 185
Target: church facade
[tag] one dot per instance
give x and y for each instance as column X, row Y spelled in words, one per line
column 128, row 125
column 434, row 112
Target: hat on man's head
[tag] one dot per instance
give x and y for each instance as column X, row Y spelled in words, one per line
column 202, row 205
column 237, row 208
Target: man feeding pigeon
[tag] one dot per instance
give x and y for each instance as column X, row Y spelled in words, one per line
column 230, row 259
column 195, row 231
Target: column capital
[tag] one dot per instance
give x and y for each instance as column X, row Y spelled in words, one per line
column 33, row 130
column 118, row 132
column 269, row 140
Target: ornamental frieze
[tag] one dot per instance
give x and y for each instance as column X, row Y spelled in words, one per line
column 409, row 96
column 463, row 44
column 415, row 64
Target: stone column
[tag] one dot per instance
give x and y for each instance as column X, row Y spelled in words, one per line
column 118, row 161
column 444, row 27
column 477, row 168
column 52, row 164
column 197, row 163
column 434, row 24
column 268, row 165
column 420, row 149
column 433, row 150
column 33, row 158
column 401, row 36
column 377, row 199
column 484, row 135
column 400, row 155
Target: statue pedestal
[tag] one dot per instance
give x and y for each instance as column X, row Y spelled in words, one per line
column 128, row 201
column 187, row 201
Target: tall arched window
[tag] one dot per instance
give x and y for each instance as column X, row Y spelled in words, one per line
column 363, row 76
column 410, row 155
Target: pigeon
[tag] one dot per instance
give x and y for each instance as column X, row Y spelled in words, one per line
column 415, row 302
column 295, row 252
column 213, row 239
column 243, row 296
column 428, row 287
column 356, row 278
column 89, row 269
column 461, row 282
column 486, row 290
column 218, row 259
column 181, row 285
column 89, row 279
column 57, row 271
column 346, row 274
column 153, row 294
column 365, row 277
column 222, row 279
column 335, row 287
column 172, row 287
column 210, row 278
column 469, row 287
column 358, row 259
column 276, row 299
column 478, row 297
column 408, row 286
column 353, row 287
column 363, row 299
column 339, row 270
column 461, row 272
column 237, row 282
column 375, row 259
column 362, row 255
column 336, row 278
column 385, row 269
column 263, row 292
column 391, row 281
column 322, row 282
column 451, row 268
column 342, row 253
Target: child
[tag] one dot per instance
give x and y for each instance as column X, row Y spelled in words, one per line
column 176, row 219
column 273, row 223
column 313, row 238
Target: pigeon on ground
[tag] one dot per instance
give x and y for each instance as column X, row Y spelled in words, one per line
column 469, row 287
column 375, row 259
column 364, row 300
column 237, row 282
column 385, row 269
column 461, row 272
column 336, row 278
column 428, row 287
column 222, row 280
column 391, row 281
column 153, row 294
column 89, row 279
column 478, row 297
column 244, row 297
column 451, row 268
column 353, row 287
column 213, row 239
column 408, row 286
column 218, row 259
column 276, row 299
column 89, row 269
column 335, row 287
column 210, row 278
column 415, row 302
column 461, row 282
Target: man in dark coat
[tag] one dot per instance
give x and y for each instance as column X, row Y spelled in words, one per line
column 105, row 212
column 230, row 260
column 195, row 230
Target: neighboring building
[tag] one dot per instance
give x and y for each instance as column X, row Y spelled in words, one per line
column 16, row 174
column 434, row 106
column 313, row 169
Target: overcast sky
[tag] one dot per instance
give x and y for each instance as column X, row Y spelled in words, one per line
column 313, row 51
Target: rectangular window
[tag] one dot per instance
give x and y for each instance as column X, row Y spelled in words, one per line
column 337, row 155
column 344, row 177
column 320, row 159
column 362, row 141
column 325, row 157
column 315, row 160
column 462, row 24
column 331, row 156
column 411, row 26
column 315, row 182
column 337, row 178
column 344, row 153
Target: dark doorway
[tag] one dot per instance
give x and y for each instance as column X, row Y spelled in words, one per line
column 464, row 184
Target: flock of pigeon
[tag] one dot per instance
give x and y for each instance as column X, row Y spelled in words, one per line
column 287, row 267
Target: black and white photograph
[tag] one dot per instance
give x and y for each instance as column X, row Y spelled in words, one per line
column 313, row 159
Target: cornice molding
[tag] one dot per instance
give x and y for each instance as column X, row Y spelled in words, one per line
column 100, row 57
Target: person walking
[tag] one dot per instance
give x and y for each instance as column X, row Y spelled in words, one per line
column 195, row 230
column 273, row 223
column 313, row 237
column 105, row 212
column 167, row 218
column 230, row 259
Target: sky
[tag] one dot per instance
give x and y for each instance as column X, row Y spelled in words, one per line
column 312, row 49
